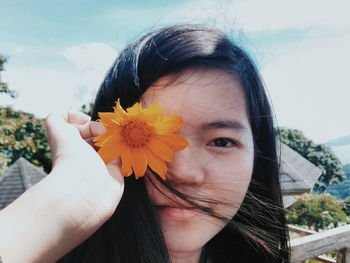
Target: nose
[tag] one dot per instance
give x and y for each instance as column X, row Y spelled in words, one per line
column 187, row 167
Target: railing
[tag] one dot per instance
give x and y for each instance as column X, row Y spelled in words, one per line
column 313, row 244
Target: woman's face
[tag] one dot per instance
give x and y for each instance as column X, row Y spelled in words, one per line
column 217, row 166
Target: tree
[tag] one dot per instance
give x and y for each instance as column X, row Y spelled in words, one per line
column 317, row 212
column 318, row 154
column 2, row 62
column 3, row 86
column 22, row 135
column 87, row 108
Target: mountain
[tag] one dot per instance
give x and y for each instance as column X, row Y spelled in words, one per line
column 341, row 148
column 346, row 169
column 339, row 141
column 342, row 190
column 343, row 153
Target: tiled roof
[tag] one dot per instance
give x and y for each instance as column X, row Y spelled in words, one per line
column 297, row 175
column 17, row 179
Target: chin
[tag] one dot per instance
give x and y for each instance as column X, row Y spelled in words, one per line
column 188, row 235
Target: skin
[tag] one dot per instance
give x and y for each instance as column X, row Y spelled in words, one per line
column 80, row 193
column 218, row 164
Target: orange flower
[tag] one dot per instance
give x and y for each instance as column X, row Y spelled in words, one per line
column 141, row 138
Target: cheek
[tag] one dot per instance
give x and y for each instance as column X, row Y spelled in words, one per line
column 157, row 192
column 230, row 183
column 153, row 192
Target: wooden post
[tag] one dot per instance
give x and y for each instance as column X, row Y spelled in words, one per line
column 343, row 255
column 317, row 244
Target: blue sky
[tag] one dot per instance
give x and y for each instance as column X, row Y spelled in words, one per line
column 59, row 51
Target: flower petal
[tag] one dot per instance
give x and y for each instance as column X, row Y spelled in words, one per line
column 138, row 162
column 135, row 110
column 174, row 141
column 161, row 150
column 154, row 109
column 109, row 152
column 169, row 124
column 151, row 114
column 118, row 115
column 125, row 157
column 104, row 138
column 111, row 118
column 157, row 165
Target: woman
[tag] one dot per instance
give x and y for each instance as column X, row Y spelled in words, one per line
column 221, row 201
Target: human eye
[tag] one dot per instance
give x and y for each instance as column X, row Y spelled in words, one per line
column 223, row 143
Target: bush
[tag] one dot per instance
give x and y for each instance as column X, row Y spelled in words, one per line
column 317, row 212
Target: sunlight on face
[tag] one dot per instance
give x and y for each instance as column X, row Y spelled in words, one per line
column 218, row 165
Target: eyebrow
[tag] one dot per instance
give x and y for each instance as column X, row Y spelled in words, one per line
column 224, row 124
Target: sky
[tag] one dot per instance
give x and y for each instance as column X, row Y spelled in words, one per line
column 59, row 51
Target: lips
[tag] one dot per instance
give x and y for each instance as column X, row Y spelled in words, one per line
column 177, row 213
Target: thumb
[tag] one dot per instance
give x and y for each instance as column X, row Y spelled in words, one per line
column 114, row 170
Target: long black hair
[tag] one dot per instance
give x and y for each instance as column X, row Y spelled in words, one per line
column 257, row 233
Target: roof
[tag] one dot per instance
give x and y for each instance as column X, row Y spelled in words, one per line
column 297, row 174
column 17, row 179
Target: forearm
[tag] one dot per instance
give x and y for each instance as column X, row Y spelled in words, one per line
column 32, row 230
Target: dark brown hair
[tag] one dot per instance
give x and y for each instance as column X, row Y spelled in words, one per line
column 258, row 232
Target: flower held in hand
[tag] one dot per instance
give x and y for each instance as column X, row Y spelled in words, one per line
column 141, row 138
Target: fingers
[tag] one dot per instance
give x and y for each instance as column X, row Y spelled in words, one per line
column 87, row 128
column 59, row 130
column 90, row 129
column 59, row 122
column 76, row 117
column 67, row 132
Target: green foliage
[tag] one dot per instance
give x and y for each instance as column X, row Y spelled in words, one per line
column 3, row 86
column 87, row 108
column 2, row 62
column 318, row 154
column 347, row 206
column 332, row 255
column 5, row 89
column 22, row 135
column 317, row 212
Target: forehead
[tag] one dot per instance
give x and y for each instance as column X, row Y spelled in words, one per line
column 198, row 94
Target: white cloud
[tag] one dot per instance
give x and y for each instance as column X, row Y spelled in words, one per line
column 276, row 14
column 18, row 50
column 256, row 15
column 43, row 90
column 310, row 88
column 91, row 61
column 90, row 56
column 307, row 79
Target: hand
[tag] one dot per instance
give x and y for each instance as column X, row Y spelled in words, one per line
column 68, row 205
column 88, row 190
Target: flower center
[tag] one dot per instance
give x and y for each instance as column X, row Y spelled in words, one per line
column 135, row 133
